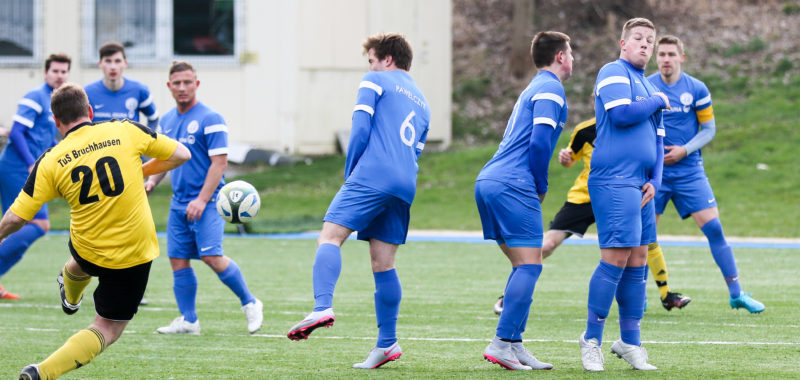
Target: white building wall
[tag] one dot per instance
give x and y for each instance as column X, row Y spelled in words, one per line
column 299, row 67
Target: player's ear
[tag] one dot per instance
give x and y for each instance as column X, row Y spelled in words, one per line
column 91, row 113
column 197, row 83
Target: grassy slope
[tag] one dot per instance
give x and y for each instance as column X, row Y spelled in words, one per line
column 754, row 125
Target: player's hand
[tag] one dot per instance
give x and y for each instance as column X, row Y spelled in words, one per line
column 649, row 192
column 194, row 211
column 541, row 198
column 565, row 157
column 149, row 186
column 675, row 154
column 663, row 96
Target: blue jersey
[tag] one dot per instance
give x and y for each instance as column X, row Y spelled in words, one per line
column 125, row 103
column 623, row 155
column 390, row 127
column 688, row 96
column 542, row 102
column 205, row 133
column 33, row 112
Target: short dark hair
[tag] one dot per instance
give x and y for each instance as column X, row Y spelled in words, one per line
column 670, row 40
column 110, row 48
column 178, row 66
column 546, row 45
column 634, row 22
column 57, row 57
column 392, row 44
column 69, row 103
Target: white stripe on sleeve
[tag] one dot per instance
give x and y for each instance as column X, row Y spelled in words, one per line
column 153, row 117
column 23, row 121
column 549, row 96
column 618, row 102
column 544, row 120
column 31, row 104
column 218, row 151
column 215, row 128
column 372, row 86
column 420, row 145
column 703, row 101
column 612, row 80
column 365, row 108
column 146, row 102
column 661, row 132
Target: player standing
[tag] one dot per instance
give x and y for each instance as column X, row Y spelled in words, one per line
column 97, row 168
column 32, row 133
column 626, row 171
column 194, row 228
column 507, row 187
column 117, row 97
column 690, row 126
column 389, row 130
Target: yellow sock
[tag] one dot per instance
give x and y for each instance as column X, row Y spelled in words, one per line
column 74, row 285
column 655, row 260
column 78, row 351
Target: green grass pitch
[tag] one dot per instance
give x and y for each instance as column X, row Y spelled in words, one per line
column 445, row 318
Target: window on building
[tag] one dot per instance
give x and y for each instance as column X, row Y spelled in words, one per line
column 159, row 31
column 19, row 31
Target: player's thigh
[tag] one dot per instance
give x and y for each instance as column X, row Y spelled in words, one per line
column 208, row 232
column 663, row 196
column 693, row 194
column 648, row 214
column 573, row 218
column 509, row 214
column 355, row 206
column 119, row 291
column 617, row 211
column 180, row 237
column 389, row 226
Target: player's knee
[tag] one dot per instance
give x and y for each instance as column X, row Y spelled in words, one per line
column 44, row 224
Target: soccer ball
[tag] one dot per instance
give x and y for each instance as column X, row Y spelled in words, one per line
column 238, row 202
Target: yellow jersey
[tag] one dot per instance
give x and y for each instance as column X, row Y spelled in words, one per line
column 97, row 168
column 582, row 144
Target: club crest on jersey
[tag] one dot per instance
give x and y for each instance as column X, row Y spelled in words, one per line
column 131, row 104
column 686, row 100
column 193, row 127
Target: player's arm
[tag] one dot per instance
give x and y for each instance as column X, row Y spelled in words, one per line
column 148, row 108
column 155, row 169
column 421, row 144
column 196, row 207
column 614, row 90
column 369, row 92
column 651, row 187
column 28, row 110
column 547, row 108
column 11, row 223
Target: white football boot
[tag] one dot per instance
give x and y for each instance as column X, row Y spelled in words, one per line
column 316, row 319
column 180, row 326
column 591, row 356
column 379, row 356
column 500, row 352
column 524, row 356
column 254, row 312
column 635, row 355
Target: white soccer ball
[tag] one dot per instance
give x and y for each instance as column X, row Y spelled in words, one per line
column 238, row 202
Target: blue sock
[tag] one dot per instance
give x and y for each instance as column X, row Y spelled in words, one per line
column 233, row 278
column 327, row 266
column 517, row 300
column 521, row 329
column 630, row 299
column 185, row 288
column 388, row 293
column 16, row 244
column 513, row 269
column 602, row 287
column 723, row 255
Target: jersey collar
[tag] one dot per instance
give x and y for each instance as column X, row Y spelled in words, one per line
column 78, row 126
column 632, row 67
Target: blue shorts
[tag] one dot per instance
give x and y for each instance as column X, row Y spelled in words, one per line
column 11, row 183
column 509, row 215
column 621, row 221
column 374, row 214
column 191, row 240
column 689, row 194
